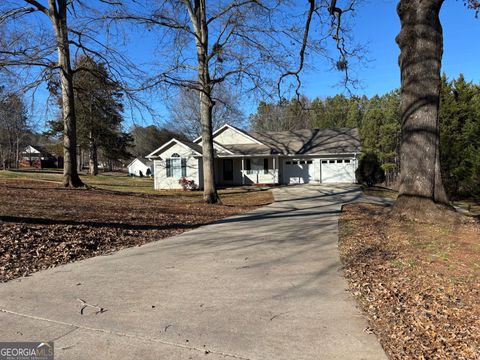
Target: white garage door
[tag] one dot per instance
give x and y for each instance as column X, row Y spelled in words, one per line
column 338, row 171
column 298, row 171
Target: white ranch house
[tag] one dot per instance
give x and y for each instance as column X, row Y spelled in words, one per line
column 245, row 158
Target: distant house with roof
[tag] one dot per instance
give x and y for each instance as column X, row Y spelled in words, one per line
column 242, row 158
column 140, row 167
column 36, row 156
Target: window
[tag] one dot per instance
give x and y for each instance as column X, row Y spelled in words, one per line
column 309, row 162
column 339, row 161
column 295, row 162
column 347, row 161
column 265, row 166
column 176, row 166
column 331, row 161
column 288, row 162
column 324, row 161
column 302, row 162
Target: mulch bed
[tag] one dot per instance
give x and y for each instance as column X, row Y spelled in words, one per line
column 419, row 283
column 43, row 225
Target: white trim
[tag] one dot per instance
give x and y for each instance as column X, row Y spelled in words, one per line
column 152, row 154
column 232, row 128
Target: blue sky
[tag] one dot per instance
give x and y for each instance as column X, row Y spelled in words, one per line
column 377, row 25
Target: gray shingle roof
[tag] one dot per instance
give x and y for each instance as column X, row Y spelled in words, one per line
column 192, row 145
column 296, row 142
column 311, row 141
column 249, row 149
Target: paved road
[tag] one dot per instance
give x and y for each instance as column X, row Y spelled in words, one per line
column 265, row 285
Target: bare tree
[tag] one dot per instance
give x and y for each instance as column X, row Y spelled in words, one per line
column 185, row 111
column 56, row 11
column 14, row 128
column 239, row 43
column 45, row 56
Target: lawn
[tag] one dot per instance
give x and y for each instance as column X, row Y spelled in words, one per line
column 419, row 283
column 43, row 224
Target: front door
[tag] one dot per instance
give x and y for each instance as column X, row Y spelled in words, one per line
column 228, row 169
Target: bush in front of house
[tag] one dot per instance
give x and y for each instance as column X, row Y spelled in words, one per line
column 187, row 184
column 369, row 171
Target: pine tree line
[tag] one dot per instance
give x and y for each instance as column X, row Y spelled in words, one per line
column 379, row 123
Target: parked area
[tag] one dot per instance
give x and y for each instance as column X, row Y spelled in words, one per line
column 419, row 283
column 43, row 225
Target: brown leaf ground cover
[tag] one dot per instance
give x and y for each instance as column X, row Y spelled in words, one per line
column 418, row 283
column 43, row 225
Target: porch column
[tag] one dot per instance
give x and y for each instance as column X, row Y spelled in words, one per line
column 274, row 170
column 243, row 169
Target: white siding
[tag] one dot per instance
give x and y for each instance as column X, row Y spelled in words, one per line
column 31, row 150
column 136, row 166
column 164, row 182
column 257, row 173
column 230, row 136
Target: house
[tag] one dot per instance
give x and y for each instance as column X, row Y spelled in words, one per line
column 140, row 167
column 243, row 158
column 37, row 157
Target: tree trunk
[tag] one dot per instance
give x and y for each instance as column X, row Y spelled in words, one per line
column 58, row 17
column 17, row 153
column 210, row 194
column 93, row 159
column 79, row 159
column 421, row 44
column 199, row 20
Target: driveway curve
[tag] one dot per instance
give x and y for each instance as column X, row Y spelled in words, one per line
column 262, row 285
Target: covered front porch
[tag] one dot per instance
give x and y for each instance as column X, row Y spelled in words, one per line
column 247, row 170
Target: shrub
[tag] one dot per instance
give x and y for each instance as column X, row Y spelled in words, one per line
column 187, row 184
column 369, row 170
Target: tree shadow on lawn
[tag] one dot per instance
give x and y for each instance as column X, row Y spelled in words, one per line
column 95, row 224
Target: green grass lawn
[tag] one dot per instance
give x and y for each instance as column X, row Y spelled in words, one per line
column 114, row 181
column 108, row 181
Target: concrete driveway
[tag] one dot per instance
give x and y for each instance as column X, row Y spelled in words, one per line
column 264, row 285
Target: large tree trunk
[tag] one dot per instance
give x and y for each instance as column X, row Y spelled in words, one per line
column 210, row 194
column 421, row 44
column 58, row 17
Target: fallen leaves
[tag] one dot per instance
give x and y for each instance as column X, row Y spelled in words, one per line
column 43, row 226
column 417, row 282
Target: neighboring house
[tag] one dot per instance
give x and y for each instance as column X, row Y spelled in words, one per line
column 39, row 158
column 140, row 167
column 243, row 158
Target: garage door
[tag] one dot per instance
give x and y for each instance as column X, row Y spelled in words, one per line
column 298, row 171
column 338, row 171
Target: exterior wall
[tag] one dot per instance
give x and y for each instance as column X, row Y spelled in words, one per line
column 160, row 171
column 237, row 172
column 137, row 166
column 257, row 174
column 230, row 136
column 317, row 168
